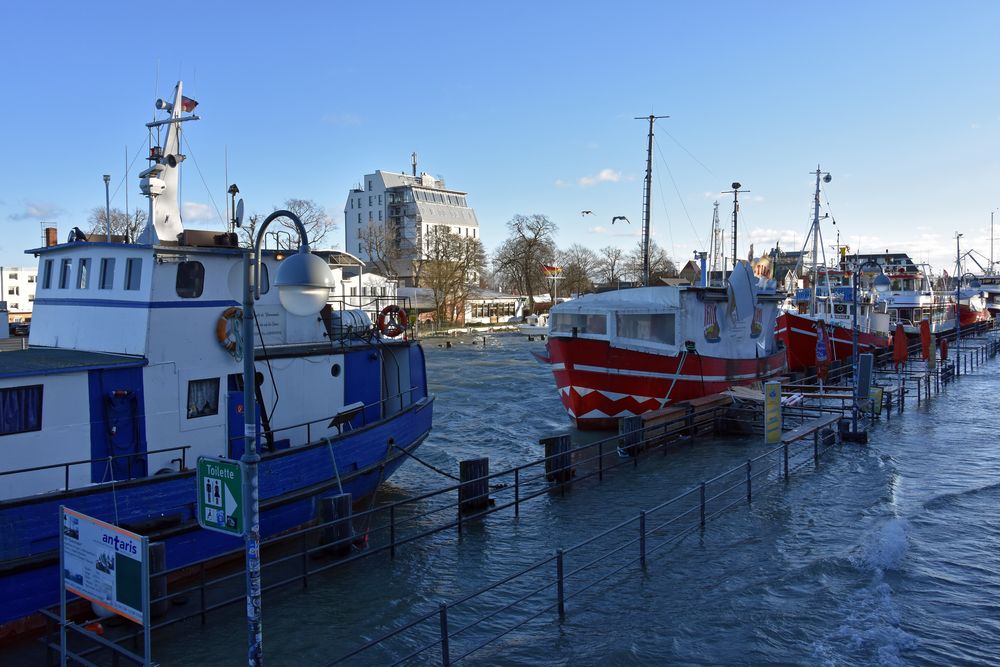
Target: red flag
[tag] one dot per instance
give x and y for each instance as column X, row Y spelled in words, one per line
column 550, row 271
column 187, row 104
column 925, row 339
column 899, row 351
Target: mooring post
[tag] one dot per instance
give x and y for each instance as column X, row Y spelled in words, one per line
column 443, row 616
column 474, row 488
column 702, row 489
column 642, row 538
column 335, row 517
column 558, row 459
column 559, row 583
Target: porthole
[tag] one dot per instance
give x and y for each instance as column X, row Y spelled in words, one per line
column 335, row 370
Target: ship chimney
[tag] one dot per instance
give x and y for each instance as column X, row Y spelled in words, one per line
column 413, row 162
column 51, row 234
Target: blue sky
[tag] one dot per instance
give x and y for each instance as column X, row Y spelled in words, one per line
column 527, row 106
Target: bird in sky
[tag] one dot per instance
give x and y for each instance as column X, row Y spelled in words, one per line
column 583, row 213
column 619, row 217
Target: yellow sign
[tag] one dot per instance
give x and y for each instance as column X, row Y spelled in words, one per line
column 772, row 412
column 876, row 394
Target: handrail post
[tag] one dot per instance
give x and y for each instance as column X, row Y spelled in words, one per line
column 642, row 538
column 749, row 484
column 702, row 491
column 66, row 471
column 443, row 616
column 392, row 531
column 517, row 492
column 559, row 583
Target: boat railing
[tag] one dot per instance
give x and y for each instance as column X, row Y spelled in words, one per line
column 109, row 460
column 373, row 305
column 339, row 420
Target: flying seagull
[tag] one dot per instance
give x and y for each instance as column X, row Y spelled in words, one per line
column 583, row 213
column 619, row 217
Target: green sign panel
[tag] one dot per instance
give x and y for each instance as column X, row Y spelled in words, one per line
column 220, row 495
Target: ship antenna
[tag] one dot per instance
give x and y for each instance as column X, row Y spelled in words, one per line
column 735, row 192
column 645, row 198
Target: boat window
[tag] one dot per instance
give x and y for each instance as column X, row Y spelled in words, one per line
column 20, row 409
column 584, row 323
column 203, row 398
column 47, row 274
column 190, row 280
column 65, row 266
column 83, row 273
column 107, row 273
column 654, row 327
column 133, row 272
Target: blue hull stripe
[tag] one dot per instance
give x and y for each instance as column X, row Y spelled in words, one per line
column 120, row 303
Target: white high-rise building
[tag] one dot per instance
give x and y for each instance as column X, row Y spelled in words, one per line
column 17, row 288
column 406, row 207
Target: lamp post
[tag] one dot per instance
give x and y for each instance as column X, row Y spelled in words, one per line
column 303, row 282
column 974, row 284
column 107, row 205
column 881, row 284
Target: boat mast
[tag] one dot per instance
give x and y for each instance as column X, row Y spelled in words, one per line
column 816, row 242
column 645, row 198
column 735, row 192
column 715, row 243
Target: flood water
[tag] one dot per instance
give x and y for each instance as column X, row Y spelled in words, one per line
column 887, row 554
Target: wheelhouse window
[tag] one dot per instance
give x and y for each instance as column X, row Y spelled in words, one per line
column 47, row 274
column 203, row 398
column 107, row 273
column 83, row 273
column 65, row 266
column 190, row 280
column 20, row 409
column 583, row 323
column 653, row 327
column 133, row 273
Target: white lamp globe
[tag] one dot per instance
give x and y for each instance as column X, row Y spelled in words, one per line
column 304, row 282
column 882, row 283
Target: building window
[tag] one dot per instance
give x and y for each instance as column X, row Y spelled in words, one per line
column 380, row 200
column 369, row 186
column 352, row 203
column 359, row 218
column 354, row 291
column 359, row 248
column 133, row 273
column 31, row 279
column 20, row 409
column 190, row 280
column 47, row 274
column 107, row 273
column 370, row 216
column 65, row 266
column 203, row 398
column 83, row 273
column 380, row 216
column 369, row 200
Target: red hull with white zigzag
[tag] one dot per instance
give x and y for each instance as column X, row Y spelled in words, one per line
column 798, row 333
column 599, row 384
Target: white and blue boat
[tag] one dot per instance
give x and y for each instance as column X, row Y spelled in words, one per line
column 134, row 371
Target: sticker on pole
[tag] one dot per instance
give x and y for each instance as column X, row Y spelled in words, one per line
column 104, row 564
column 220, row 495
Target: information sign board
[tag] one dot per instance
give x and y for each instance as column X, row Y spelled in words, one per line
column 772, row 412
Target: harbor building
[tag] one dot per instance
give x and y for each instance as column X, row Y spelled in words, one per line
column 389, row 216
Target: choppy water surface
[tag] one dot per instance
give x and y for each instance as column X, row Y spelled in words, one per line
column 887, row 555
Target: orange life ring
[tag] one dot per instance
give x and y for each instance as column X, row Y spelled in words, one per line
column 392, row 320
column 226, row 333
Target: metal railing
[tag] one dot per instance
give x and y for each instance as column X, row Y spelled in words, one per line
column 109, row 460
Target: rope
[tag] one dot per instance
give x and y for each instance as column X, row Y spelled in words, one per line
column 680, row 366
column 424, row 463
column 333, row 458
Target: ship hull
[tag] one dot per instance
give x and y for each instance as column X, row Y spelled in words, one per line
column 798, row 333
column 599, row 384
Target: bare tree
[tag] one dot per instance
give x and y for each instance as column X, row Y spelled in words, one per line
column 313, row 216
column 380, row 243
column 451, row 270
column 659, row 263
column 123, row 226
column 579, row 266
column 519, row 262
column 610, row 264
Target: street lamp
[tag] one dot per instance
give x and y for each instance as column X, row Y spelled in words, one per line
column 882, row 285
column 107, row 205
column 974, row 284
column 303, row 282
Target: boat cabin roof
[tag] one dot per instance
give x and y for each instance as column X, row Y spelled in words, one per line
column 51, row 361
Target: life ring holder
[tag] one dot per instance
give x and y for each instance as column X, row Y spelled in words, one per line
column 227, row 329
column 392, row 321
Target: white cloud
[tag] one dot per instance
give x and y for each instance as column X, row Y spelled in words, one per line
column 37, row 211
column 560, row 183
column 598, row 230
column 193, row 211
column 603, row 176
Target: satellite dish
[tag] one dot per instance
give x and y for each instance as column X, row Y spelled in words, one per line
column 239, row 213
column 827, row 178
